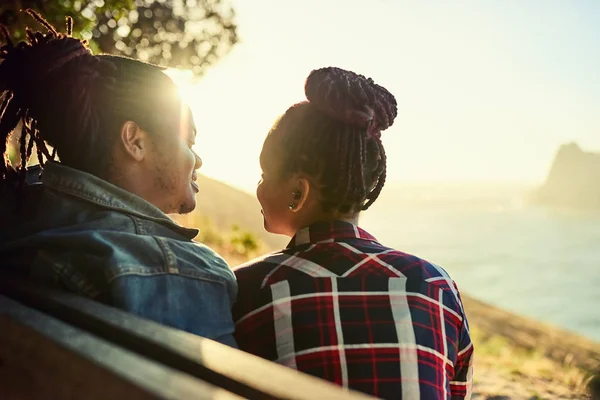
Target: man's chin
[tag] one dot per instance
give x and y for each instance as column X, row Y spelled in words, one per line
column 187, row 207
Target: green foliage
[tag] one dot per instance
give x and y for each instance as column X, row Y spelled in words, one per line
column 209, row 234
column 234, row 244
column 13, row 155
column 245, row 243
column 189, row 34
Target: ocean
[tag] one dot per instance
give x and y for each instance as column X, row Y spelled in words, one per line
column 539, row 262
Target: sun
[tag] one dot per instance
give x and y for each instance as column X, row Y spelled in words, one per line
column 184, row 79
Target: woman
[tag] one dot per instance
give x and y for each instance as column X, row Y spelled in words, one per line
column 335, row 303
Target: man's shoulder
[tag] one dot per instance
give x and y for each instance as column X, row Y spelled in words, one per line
column 149, row 254
column 92, row 255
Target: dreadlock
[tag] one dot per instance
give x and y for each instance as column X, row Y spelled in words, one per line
column 335, row 138
column 68, row 99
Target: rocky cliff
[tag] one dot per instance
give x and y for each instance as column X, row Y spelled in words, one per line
column 573, row 181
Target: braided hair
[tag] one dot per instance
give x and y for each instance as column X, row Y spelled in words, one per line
column 335, row 138
column 72, row 101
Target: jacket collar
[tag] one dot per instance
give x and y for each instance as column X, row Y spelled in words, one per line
column 97, row 191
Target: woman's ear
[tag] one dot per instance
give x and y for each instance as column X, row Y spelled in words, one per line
column 299, row 194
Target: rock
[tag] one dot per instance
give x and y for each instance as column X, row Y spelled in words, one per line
column 573, row 180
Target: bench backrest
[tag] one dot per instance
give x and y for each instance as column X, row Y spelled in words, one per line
column 57, row 344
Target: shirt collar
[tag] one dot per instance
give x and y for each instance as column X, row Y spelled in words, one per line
column 329, row 231
column 104, row 194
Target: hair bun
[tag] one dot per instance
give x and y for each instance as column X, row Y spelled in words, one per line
column 351, row 98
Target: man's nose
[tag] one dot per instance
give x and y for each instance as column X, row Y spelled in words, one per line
column 198, row 161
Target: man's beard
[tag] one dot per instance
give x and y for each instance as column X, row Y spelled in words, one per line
column 185, row 208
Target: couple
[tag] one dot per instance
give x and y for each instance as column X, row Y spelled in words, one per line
column 334, row 303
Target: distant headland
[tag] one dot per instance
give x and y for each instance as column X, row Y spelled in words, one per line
column 573, row 180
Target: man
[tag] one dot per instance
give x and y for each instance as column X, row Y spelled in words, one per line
column 96, row 222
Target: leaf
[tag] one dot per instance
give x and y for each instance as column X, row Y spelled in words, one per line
column 190, row 34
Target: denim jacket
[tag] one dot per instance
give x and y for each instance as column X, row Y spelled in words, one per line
column 93, row 238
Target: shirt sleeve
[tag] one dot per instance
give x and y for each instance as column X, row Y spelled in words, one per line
column 198, row 306
column 461, row 387
column 440, row 334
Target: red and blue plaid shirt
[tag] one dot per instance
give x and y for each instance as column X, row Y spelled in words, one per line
column 338, row 305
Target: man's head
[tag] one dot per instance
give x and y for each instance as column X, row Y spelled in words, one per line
column 117, row 118
column 159, row 165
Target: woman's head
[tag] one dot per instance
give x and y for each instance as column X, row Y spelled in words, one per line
column 113, row 117
column 323, row 159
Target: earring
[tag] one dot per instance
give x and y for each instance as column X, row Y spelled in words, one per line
column 297, row 194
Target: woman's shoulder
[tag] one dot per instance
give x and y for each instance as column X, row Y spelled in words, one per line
column 412, row 266
column 374, row 261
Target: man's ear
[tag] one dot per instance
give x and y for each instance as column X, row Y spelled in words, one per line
column 134, row 140
column 300, row 193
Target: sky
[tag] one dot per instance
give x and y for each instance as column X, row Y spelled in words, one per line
column 486, row 90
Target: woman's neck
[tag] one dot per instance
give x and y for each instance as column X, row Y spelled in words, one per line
column 352, row 219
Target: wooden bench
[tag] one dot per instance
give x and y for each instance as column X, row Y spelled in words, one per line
column 58, row 345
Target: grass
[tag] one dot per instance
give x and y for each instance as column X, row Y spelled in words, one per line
column 536, row 371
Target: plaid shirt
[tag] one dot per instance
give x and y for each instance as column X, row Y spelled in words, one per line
column 338, row 305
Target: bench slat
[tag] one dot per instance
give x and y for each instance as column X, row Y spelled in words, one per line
column 212, row 362
column 42, row 357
